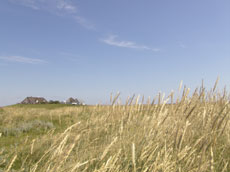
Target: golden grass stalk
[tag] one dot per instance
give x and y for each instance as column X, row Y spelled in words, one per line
column 134, row 158
column 11, row 163
column 107, row 149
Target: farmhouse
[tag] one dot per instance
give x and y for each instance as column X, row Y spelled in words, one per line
column 73, row 101
column 34, row 100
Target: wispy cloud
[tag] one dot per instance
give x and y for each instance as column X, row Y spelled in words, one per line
column 20, row 59
column 85, row 23
column 28, row 3
column 66, row 6
column 49, row 5
column 112, row 40
column 58, row 7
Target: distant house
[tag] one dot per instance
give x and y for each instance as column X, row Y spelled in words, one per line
column 34, row 100
column 73, row 101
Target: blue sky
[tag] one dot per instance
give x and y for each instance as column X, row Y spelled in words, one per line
column 88, row 49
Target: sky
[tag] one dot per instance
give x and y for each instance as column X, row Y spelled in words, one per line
column 89, row 49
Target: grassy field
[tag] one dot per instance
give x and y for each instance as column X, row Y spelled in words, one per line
column 190, row 134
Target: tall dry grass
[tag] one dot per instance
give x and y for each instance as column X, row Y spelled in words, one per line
column 186, row 134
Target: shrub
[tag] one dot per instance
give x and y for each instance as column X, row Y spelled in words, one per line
column 24, row 127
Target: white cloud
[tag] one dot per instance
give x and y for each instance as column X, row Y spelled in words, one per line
column 28, row 3
column 85, row 23
column 64, row 6
column 20, row 59
column 67, row 6
column 111, row 40
column 57, row 7
column 50, row 5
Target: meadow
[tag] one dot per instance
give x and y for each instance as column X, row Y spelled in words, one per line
column 186, row 133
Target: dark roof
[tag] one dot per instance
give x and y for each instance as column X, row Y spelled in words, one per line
column 34, row 100
column 72, row 100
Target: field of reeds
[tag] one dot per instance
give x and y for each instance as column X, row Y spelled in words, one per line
column 186, row 133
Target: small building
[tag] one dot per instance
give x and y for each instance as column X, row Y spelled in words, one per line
column 34, row 100
column 73, row 101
